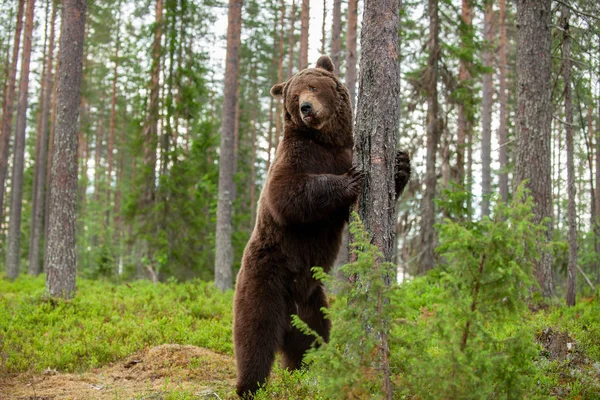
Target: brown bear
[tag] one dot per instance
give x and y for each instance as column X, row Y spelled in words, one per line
column 302, row 211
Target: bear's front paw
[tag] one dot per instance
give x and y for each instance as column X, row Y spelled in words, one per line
column 403, row 171
column 355, row 179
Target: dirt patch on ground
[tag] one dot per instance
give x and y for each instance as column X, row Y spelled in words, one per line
column 149, row 374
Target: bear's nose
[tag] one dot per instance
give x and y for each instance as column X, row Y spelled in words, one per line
column 306, row 108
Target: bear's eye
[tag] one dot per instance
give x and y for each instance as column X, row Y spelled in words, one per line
column 295, row 97
column 312, row 89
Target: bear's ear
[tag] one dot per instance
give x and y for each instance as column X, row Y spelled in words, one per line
column 277, row 90
column 325, row 63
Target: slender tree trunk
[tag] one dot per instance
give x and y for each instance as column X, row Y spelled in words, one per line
column 291, row 41
column 351, row 55
column 336, row 36
column 465, row 111
column 253, row 170
column 534, row 114
column 597, row 173
column 566, row 69
column 98, row 153
column 61, row 243
column 486, row 111
column 112, row 123
column 304, row 20
column 323, row 25
column 434, row 130
column 503, row 100
column 7, row 106
column 279, row 104
column 37, row 226
column 13, row 254
column 270, row 135
column 51, row 145
column 224, row 248
column 379, row 106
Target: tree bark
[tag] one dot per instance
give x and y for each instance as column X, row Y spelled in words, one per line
column 351, row 55
column 7, row 105
column 377, row 123
column 113, row 118
column 534, row 114
column 224, row 248
column 304, row 20
column 434, row 130
column 291, row 41
column 37, row 225
column 503, row 100
column 465, row 112
column 486, row 111
column 566, row 68
column 336, row 36
column 323, row 25
column 13, row 253
column 61, row 244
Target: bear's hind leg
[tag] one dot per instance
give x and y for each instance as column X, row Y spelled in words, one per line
column 258, row 333
column 295, row 343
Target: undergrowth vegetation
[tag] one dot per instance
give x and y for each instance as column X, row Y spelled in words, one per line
column 471, row 329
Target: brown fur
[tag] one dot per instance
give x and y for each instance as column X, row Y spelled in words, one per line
column 302, row 211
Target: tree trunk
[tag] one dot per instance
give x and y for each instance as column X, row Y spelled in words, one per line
column 503, row 100
column 323, row 25
column 304, row 19
column 486, row 111
column 566, row 69
column 112, row 124
column 51, row 144
column 279, row 104
column 375, row 149
column 7, row 106
column 534, row 114
column 224, row 248
column 61, row 244
column 13, row 253
column 37, row 225
column 434, row 129
column 291, row 41
column 597, row 173
column 336, row 36
column 465, row 112
column 351, row 55
column 270, row 135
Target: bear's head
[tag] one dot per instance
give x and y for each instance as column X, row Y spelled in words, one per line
column 315, row 99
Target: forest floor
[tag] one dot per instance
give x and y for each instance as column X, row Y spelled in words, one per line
column 163, row 372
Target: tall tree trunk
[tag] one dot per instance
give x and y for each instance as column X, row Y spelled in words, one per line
column 304, row 20
column 486, row 111
column 351, row 55
column 37, row 225
column 13, row 253
column 7, row 106
column 291, row 41
column 51, row 145
column 61, row 244
column 253, row 170
column 597, row 173
column 434, row 130
column 270, row 135
column 534, row 114
column 279, row 104
column 566, row 69
column 336, row 36
column 224, row 247
column 323, row 25
column 465, row 112
column 503, row 100
column 113, row 117
column 375, row 150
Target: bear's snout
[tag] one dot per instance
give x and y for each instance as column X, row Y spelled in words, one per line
column 306, row 108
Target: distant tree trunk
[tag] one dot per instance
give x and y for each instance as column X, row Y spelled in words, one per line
column 434, row 130
column 304, row 20
column 61, row 244
column 37, row 225
column 336, row 36
column 351, row 55
column 224, row 248
column 486, row 111
column 597, row 173
column 253, row 170
column 13, row 253
column 99, row 131
column 291, row 41
column 112, row 124
column 279, row 104
column 464, row 107
column 534, row 114
column 7, row 105
column 566, row 69
column 270, row 134
column 375, row 150
column 503, row 100
column 323, row 25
